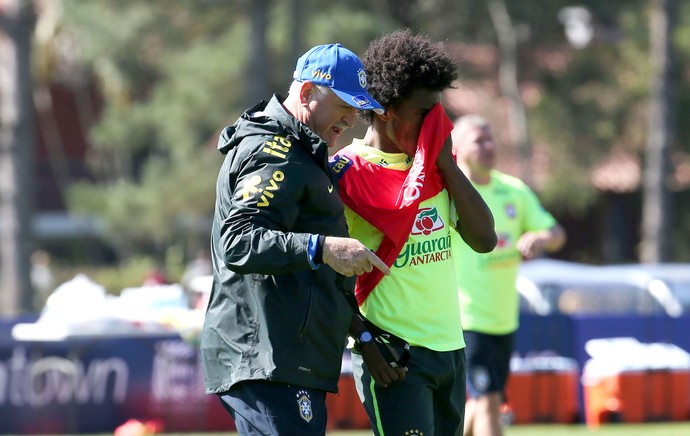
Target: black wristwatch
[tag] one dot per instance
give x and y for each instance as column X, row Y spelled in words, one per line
column 364, row 337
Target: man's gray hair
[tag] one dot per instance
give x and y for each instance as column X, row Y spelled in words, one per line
column 321, row 91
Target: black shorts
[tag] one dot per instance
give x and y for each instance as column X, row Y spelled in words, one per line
column 430, row 400
column 265, row 408
column 488, row 362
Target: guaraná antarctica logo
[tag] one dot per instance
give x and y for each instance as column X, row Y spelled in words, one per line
column 427, row 221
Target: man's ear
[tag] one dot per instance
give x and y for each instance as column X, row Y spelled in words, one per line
column 305, row 92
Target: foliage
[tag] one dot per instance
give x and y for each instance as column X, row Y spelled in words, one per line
column 169, row 73
column 129, row 273
column 173, row 72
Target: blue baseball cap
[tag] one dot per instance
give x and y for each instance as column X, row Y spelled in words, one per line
column 341, row 70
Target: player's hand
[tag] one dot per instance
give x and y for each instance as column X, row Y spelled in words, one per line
column 445, row 157
column 350, row 257
column 382, row 373
column 531, row 244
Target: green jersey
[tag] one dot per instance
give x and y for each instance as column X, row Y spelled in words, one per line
column 419, row 300
column 489, row 301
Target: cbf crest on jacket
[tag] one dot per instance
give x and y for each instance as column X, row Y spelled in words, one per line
column 270, row 315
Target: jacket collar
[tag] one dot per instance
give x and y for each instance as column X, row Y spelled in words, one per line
column 312, row 143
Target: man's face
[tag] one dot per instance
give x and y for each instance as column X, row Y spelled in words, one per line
column 406, row 118
column 329, row 116
column 475, row 146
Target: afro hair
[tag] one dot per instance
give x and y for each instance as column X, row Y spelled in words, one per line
column 400, row 62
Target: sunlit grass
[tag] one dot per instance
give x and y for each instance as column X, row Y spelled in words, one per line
column 655, row 429
column 647, row 429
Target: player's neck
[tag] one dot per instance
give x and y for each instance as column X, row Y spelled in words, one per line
column 373, row 138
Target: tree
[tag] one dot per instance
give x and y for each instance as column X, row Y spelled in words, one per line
column 172, row 74
column 657, row 203
column 17, row 20
column 259, row 86
column 508, row 78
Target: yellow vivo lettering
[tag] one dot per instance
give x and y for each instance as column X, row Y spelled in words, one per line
column 273, row 185
column 321, row 74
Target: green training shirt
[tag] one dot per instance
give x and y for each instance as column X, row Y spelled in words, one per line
column 419, row 300
column 489, row 301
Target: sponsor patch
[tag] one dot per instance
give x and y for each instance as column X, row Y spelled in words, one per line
column 428, row 220
column 323, row 75
column 423, row 252
column 250, row 187
column 339, row 164
column 278, row 146
column 360, row 100
column 254, row 186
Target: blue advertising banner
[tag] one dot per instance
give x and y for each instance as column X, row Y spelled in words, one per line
column 95, row 384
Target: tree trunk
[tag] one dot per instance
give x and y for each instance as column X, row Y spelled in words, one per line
column 17, row 20
column 296, row 35
column 509, row 83
column 258, row 86
column 657, row 202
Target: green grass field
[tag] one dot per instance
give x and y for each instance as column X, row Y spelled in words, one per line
column 656, row 429
column 651, row 429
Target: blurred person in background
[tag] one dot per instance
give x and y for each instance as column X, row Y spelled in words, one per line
column 156, row 276
column 42, row 278
column 198, row 267
column 277, row 322
column 197, row 279
column 404, row 197
column 489, row 302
